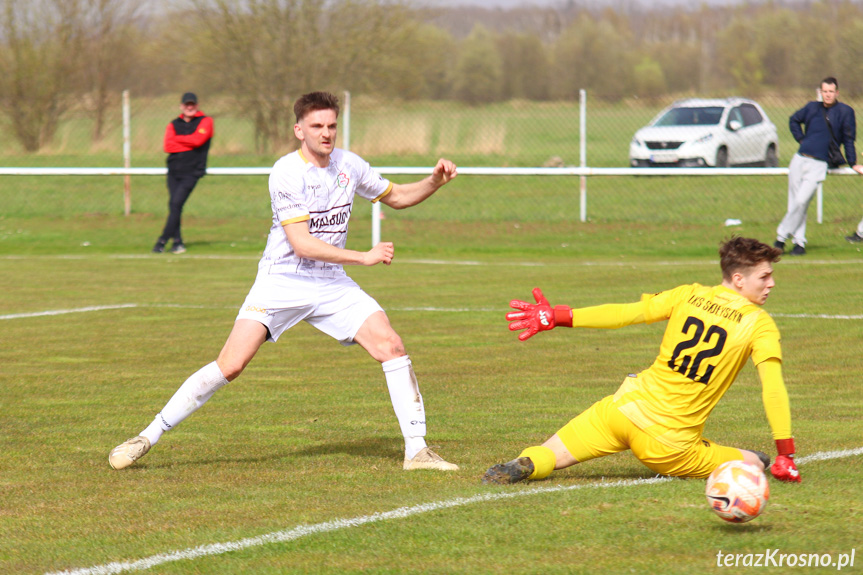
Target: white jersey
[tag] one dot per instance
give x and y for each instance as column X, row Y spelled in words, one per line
column 301, row 191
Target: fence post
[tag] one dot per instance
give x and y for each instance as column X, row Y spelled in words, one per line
column 127, row 155
column 582, row 141
column 819, row 202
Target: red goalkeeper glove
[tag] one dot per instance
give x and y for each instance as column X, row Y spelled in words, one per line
column 783, row 468
column 534, row 318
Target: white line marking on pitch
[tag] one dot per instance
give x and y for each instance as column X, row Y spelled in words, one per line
column 106, row 307
column 400, row 513
column 816, row 316
column 65, row 311
column 567, row 263
column 616, row 264
column 825, row 455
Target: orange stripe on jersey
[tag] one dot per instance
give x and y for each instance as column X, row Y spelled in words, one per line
column 295, row 220
column 388, row 190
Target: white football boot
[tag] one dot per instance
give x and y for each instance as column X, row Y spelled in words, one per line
column 428, row 459
column 129, row 452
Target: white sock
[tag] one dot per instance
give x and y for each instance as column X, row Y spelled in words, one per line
column 414, row 445
column 154, row 431
column 407, row 403
column 194, row 393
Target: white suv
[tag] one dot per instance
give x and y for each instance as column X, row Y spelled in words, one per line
column 707, row 132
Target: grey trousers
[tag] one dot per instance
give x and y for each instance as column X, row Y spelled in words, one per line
column 804, row 175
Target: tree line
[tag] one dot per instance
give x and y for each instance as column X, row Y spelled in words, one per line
column 56, row 55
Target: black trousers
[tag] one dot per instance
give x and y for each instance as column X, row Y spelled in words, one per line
column 179, row 190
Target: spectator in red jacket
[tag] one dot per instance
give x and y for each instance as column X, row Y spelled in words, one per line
column 187, row 142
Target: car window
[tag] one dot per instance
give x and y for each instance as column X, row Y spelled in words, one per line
column 735, row 115
column 751, row 115
column 703, row 116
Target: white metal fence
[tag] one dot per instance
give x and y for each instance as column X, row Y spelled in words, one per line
column 590, row 191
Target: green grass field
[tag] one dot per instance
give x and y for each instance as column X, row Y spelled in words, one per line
column 296, row 466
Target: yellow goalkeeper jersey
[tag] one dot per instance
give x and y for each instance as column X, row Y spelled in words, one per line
column 711, row 333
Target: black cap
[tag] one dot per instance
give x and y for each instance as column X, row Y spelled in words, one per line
column 189, row 97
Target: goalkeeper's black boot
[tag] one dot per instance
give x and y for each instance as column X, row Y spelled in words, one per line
column 513, row 471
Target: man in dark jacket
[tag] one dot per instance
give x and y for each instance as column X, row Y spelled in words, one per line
column 187, row 142
column 823, row 121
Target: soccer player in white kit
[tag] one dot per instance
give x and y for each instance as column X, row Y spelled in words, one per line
column 301, row 278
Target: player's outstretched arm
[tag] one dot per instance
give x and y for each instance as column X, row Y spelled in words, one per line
column 407, row 195
column 776, row 405
column 534, row 318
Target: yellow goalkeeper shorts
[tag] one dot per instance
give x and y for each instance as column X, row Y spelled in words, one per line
column 603, row 430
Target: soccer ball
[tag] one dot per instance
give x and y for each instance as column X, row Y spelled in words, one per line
column 737, row 491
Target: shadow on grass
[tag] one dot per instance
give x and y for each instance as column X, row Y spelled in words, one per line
column 362, row 447
column 370, row 447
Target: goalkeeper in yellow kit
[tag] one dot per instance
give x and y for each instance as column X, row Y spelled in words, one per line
column 660, row 413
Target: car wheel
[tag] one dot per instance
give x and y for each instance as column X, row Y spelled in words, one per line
column 771, row 159
column 722, row 157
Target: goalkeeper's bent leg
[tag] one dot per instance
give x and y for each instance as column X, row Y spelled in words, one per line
column 534, row 463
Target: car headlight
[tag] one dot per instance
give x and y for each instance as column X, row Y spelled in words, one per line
column 704, row 139
column 636, row 141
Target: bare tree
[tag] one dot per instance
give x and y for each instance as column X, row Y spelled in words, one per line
column 479, row 69
column 261, row 51
column 39, row 61
column 526, row 67
column 595, row 55
column 109, row 50
column 376, row 43
column 267, row 52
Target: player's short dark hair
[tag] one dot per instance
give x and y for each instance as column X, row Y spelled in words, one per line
column 742, row 253
column 831, row 80
column 314, row 101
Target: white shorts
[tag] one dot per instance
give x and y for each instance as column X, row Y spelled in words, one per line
column 336, row 306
